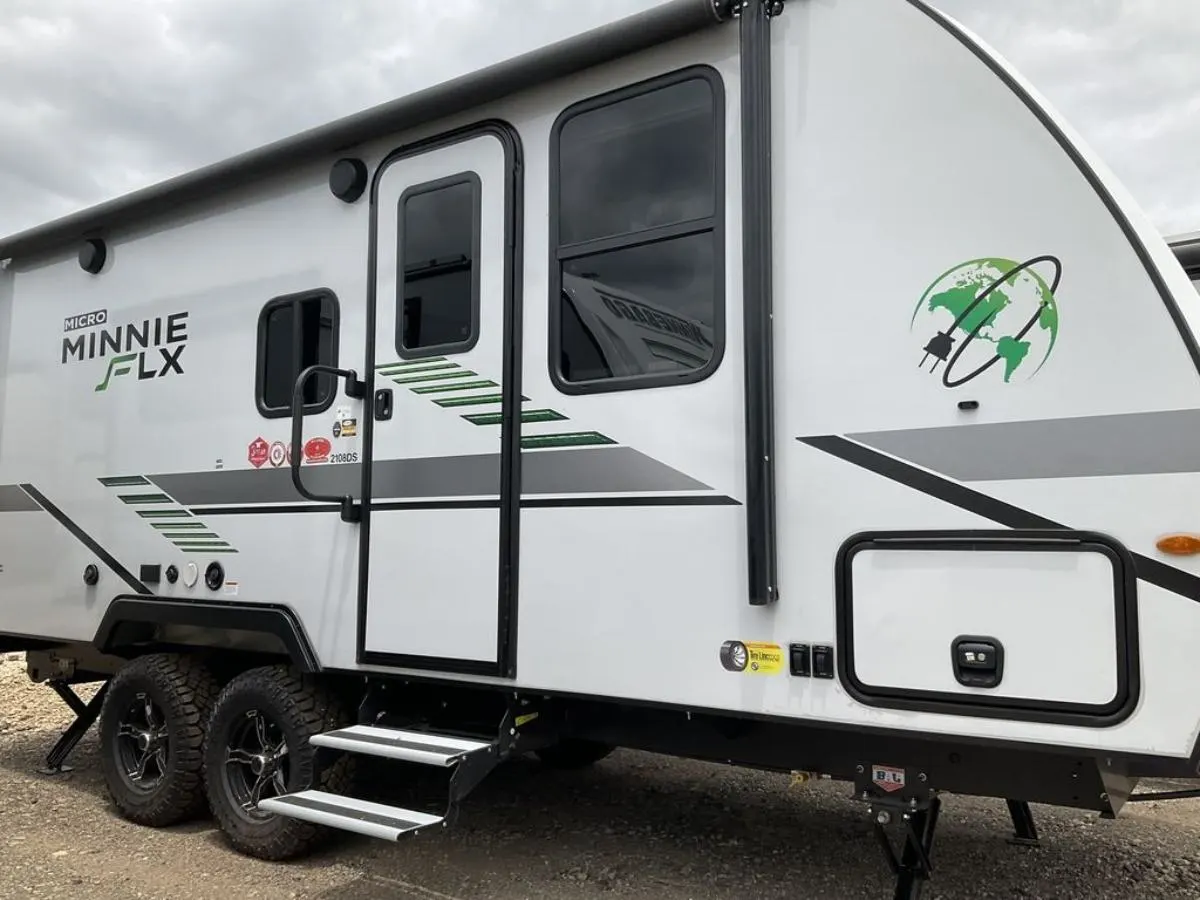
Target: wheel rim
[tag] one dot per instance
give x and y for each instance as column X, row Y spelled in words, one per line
column 256, row 763
column 142, row 745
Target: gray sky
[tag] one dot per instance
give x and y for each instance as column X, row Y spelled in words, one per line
column 97, row 99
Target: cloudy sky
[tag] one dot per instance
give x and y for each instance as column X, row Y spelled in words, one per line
column 97, row 99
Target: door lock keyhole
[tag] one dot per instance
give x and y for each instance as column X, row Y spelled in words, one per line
column 383, row 404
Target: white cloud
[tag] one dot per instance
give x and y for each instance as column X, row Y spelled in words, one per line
column 97, row 99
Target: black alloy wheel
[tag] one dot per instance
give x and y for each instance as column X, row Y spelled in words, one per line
column 258, row 747
column 151, row 736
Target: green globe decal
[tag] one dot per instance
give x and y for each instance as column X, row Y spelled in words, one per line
column 990, row 312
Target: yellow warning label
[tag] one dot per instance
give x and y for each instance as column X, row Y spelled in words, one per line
column 764, row 659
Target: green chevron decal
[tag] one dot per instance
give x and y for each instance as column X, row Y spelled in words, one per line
column 175, row 523
column 446, row 383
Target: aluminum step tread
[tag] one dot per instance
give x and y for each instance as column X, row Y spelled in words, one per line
column 350, row 814
column 395, row 743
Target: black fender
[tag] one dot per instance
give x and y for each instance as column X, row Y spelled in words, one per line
column 137, row 620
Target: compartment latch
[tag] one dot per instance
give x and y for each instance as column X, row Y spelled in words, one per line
column 978, row 661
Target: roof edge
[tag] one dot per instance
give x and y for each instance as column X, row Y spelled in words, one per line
column 669, row 20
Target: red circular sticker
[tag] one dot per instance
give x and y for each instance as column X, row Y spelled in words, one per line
column 317, row 449
column 258, row 452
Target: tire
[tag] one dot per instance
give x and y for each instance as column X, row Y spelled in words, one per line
column 573, row 753
column 257, row 713
column 151, row 738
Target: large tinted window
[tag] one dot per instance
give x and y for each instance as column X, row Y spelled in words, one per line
column 438, row 274
column 636, row 225
column 296, row 332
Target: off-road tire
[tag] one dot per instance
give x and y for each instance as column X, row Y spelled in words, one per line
column 184, row 690
column 573, row 753
column 301, row 707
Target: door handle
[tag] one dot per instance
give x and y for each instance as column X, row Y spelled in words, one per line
column 356, row 389
column 383, row 404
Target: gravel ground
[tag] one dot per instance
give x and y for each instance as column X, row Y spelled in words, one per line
column 633, row 826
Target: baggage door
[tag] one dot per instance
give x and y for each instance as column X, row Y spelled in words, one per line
column 440, row 446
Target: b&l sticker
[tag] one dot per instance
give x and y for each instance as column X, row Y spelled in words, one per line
column 752, row 657
column 887, row 778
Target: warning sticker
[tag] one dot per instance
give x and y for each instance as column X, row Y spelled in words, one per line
column 752, row 657
column 257, row 452
column 765, row 659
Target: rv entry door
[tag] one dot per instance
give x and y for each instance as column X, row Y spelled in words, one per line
column 442, row 233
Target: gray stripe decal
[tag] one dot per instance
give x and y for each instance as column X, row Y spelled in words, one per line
column 348, row 813
column 13, row 499
column 1132, row 444
column 591, row 470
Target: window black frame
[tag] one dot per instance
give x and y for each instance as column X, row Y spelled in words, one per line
column 260, row 369
column 464, row 346
column 561, row 253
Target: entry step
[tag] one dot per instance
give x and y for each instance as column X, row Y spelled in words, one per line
column 350, row 814
column 393, row 743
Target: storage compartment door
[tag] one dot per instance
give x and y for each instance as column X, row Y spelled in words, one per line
column 1039, row 626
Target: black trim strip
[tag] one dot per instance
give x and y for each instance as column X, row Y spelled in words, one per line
column 1149, row 570
column 1125, row 633
column 484, row 503
column 758, row 338
column 1089, row 174
column 510, row 448
column 80, row 535
column 430, row 663
column 263, row 618
column 1142, row 764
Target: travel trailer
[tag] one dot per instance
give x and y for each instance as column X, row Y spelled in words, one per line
column 777, row 383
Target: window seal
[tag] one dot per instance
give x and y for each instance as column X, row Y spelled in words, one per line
column 457, row 347
column 560, row 253
column 260, row 370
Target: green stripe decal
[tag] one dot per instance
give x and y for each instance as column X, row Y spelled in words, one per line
column 529, row 415
column 470, row 401
column 386, row 368
column 456, row 386
column 170, row 520
column 572, row 439
column 423, row 367
column 437, row 376
column 123, row 481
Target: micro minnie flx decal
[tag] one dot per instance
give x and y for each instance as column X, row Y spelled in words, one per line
column 146, row 348
column 988, row 311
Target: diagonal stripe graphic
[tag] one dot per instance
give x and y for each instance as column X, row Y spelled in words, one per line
column 1150, row 570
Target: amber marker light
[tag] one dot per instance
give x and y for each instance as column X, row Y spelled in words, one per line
column 1179, row 544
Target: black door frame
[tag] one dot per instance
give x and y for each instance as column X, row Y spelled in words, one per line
column 510, row 389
